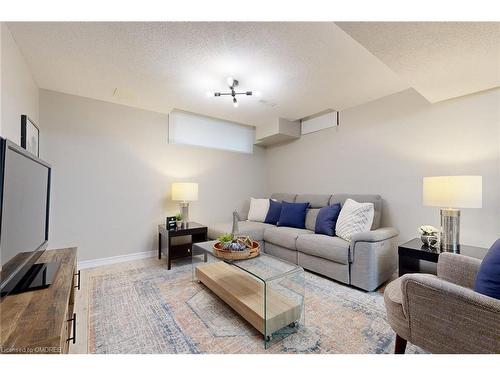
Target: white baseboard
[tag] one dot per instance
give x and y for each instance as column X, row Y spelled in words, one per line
column 116, row 259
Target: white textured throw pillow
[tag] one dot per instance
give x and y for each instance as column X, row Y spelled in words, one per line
column 354, row 217
column 258, row 209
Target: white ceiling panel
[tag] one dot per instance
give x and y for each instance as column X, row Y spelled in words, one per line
column 301, row 68
column 441, row 60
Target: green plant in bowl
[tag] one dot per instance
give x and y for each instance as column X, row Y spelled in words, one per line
column 228, row 237
column 178, row 217
column 226, row 240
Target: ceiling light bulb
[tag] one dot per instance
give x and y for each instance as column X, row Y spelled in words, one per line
column 257, row 93
column 233, row 84
column 209, row 94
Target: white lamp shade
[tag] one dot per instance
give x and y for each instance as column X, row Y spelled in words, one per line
column 453, row 191
column 185, row 191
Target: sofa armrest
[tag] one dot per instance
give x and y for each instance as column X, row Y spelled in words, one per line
column 448, row 318
column 373, row 257
column 376, row 235
column 458, row 269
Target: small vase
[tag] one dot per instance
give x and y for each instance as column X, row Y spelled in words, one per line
column 235, row 231
column 179, row 224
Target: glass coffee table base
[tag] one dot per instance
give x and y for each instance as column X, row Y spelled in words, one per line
column 246, row 295
column 265, row 291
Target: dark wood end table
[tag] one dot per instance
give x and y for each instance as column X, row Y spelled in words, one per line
column 415, row 257
column 198, row 233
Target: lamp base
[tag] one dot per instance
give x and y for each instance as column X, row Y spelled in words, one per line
column 450, row 229
column 184, row 212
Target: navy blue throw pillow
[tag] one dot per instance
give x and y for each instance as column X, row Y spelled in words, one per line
column 488, row 276
column 327, row 219
column 274, row 212
column 293, row 215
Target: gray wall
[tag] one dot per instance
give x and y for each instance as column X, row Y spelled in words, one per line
column 19, row 89
column 112, row 174
column 113, row 167
column 388, row 145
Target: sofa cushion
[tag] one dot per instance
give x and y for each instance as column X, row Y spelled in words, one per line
column 243, row 209
column 293, row 215
column 368, row 198
column 488, row 276
column 311, row 215
column 273, row 215
column 326, row 247
column 354, row 218
column 284, row 236
column 314, row 200
column 327, row 219
column 247, row 228
column 258, row 209
column 280, row 197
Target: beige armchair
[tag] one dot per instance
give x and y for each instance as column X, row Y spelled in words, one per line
column 443, row 314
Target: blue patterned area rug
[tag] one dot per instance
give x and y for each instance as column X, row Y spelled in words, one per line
column 152, row 310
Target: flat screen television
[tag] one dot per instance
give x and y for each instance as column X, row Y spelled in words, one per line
column 24, row 218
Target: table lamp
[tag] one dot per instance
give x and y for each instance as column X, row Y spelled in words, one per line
column 451, row 193
column 184, row 192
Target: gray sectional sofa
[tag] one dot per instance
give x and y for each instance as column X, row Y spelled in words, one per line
column 366, row 262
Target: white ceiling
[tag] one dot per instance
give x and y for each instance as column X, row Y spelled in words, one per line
column 304, row 68
column 441, row 60
column 301, row 68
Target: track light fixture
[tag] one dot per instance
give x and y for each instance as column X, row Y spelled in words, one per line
column 233, row 83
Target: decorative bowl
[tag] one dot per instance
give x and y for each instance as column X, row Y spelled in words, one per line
column 249, row 252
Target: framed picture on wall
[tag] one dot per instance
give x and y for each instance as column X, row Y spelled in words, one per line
column 30, row 135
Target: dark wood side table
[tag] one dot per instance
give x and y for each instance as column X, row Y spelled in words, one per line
column 415, row 257
column 198, row 233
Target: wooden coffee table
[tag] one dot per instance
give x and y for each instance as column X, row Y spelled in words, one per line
column 266, row 291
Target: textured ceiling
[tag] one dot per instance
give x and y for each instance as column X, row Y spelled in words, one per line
column 300, row 68
column 441, row 60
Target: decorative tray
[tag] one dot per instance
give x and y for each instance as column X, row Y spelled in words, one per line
column 248, row 253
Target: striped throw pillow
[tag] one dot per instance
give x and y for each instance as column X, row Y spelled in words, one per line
column 354, row 217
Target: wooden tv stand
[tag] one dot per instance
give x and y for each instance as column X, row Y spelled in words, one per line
column 42, row 321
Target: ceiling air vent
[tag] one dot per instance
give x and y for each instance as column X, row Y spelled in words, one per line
column 124, row 95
